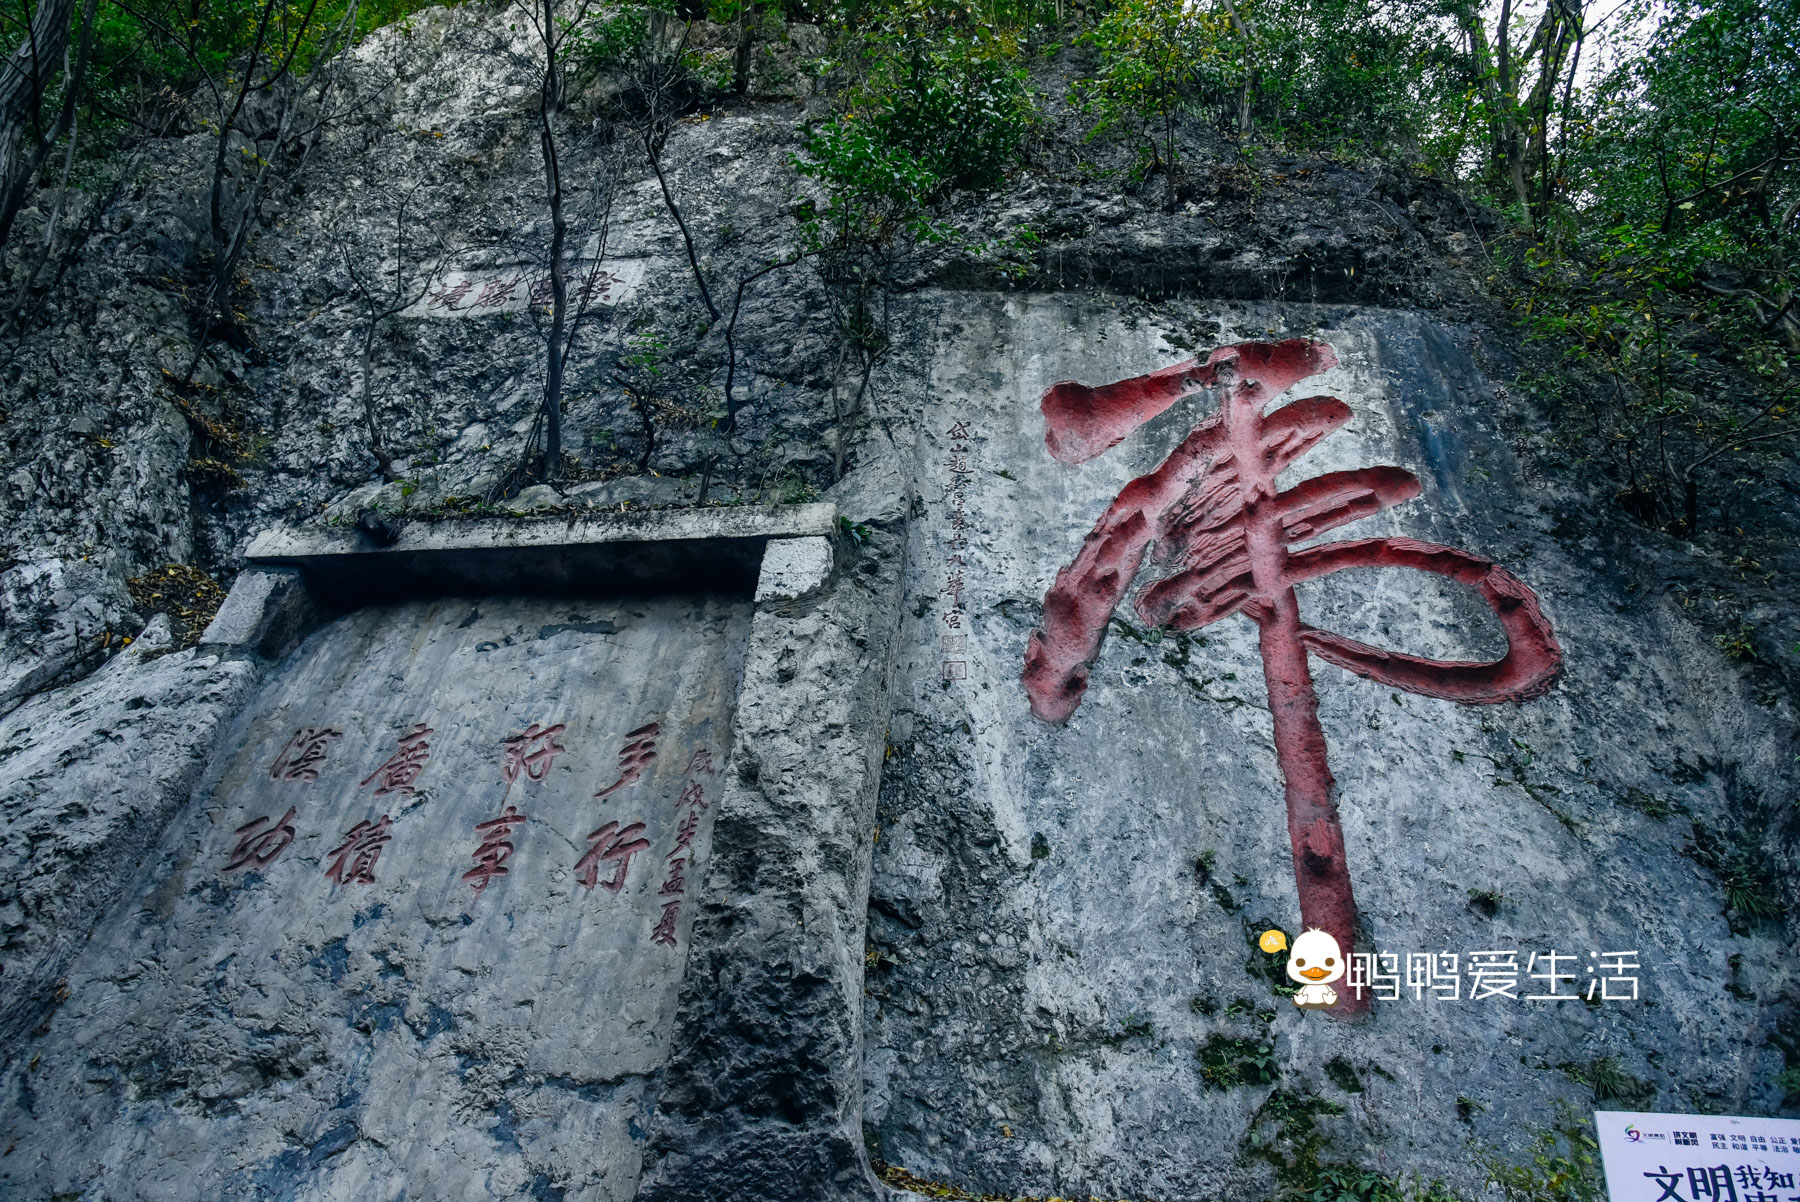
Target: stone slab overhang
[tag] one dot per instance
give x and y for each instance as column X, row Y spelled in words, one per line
column 719, row 549
column 796, row 797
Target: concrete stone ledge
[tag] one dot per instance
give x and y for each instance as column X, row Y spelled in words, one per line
column 793, row 568
column 267, row 613
column 693, row 549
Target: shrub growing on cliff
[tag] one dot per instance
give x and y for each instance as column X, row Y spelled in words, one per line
column 1564, row 1165
column 1664, row 258
column 1352, row 1183
column 874, row 190
column 930, row 97
column 1157, row 59
column 1229, row 1061
column 958, row 106
column 930, row 100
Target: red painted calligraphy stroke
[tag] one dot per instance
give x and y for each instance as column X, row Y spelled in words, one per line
column 1212, row 518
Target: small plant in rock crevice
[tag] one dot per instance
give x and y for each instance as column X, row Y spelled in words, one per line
column 1486, row 902
column 1737, row 644
column 1564, row 1165
column 791, row 488
column 1343, row 1074
column 1269, row 967
column 1352, row 1183
column 1228, row 1061
column 1743, row 869
column 1613, row 1084
column 1648, row 804
column 858, row 534
column 1284, row 1134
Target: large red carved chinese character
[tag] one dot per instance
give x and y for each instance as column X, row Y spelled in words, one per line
column 495, row 850
column 403, row 767
column 353, row 861
column 635, row 756
column 303, row 753
column 611, row 842
column 259, row 841
column 1212, row 519
column 531, row 751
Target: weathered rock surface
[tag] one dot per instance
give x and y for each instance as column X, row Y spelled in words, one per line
column 315, row 987
column 59, row 618
column 92, row 773
column 763, row 1095
column 1057, row 991
column 437, row 165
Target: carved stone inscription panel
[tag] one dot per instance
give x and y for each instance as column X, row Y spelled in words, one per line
column 421, row 931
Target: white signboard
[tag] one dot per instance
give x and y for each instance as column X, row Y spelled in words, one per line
column 484, row 290
column 1698, row 1157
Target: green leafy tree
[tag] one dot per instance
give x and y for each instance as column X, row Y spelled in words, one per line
column 1157, row 58
column 1518, row 70
column 930, row 98
column 1359, row 76
column 933, row 84
column 1669, row 273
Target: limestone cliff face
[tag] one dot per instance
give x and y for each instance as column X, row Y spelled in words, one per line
column 937, row 930
column 436, row 165
column 1066, row 990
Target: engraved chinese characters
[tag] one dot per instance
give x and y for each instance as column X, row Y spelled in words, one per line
column 533, row 752
column 353, row 861
column 523, row 761
column 396, row 750
column 956, row 637
column 260, row 841
column 1220, row 535
column 479, row 292
column 495, row 850
column 302, row 754
column 404, row 766
column 611, row 842
column 688, row 807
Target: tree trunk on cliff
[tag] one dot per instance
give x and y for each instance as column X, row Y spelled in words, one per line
column 559, row 283
column 270, row 69
column 740, row 66
column 379, row 306
column 1248, row 92
column 551, row 29
column 662, row 84
column 25, row 78
column 27, row 75
column 1517, row 128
